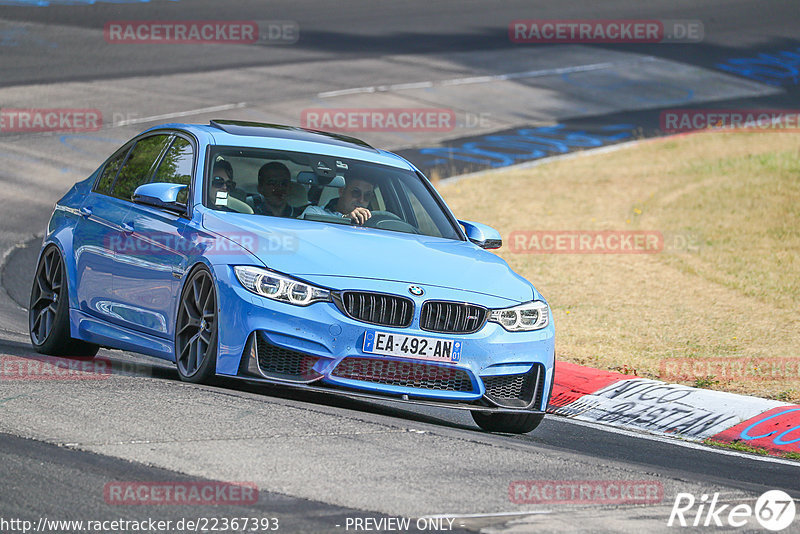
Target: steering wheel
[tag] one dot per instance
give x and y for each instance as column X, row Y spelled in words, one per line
column 386, row 220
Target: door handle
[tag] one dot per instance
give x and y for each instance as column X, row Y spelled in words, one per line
column 86, row 211
column 127, row 228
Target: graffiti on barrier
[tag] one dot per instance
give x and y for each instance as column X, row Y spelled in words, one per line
column 777, row 431
column 654, row 406
column 778, row 68
column 524, row 144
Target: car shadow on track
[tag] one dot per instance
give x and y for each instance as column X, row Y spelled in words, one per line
column 18, row 361
column 336, row 400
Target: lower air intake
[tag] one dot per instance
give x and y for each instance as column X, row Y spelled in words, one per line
column 406, row 374
column 278, row 362
column 517, row 391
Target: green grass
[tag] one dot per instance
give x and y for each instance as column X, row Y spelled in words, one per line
column 726, row 285
column 739, row 446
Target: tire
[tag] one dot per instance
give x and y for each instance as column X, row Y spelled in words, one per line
column 510, row 423
column 196, row 328
column 48, row 310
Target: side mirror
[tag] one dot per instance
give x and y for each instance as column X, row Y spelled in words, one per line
column 160, row 195
column 482, row 235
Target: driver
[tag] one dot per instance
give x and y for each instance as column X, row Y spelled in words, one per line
column 352, row 202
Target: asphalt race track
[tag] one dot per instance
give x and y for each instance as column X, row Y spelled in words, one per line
column 321, row 463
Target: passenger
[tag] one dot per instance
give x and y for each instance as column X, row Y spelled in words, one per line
column 222, row 189
column 273, row 186
column 221, row 181
column 352, row 202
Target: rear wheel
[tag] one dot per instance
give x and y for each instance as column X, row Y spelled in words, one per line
column 196, row 328
column 510, row 423
column 48, row 311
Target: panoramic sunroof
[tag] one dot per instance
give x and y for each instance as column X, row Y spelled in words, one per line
column 260, row 129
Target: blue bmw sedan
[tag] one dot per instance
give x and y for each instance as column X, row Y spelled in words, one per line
column 287, row 256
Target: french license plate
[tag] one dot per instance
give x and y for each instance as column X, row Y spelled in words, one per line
column 417, row 347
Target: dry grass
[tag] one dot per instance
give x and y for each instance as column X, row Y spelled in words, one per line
column 733, row 293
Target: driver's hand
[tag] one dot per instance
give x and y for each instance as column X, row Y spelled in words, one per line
column 359, row 215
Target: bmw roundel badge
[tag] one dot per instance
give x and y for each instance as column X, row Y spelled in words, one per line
column 416, row 291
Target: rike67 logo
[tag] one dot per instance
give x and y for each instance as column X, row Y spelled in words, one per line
column 774, row 510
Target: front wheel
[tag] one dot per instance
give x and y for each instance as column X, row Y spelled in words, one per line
column 510, row 423
column 196, row 329
column 48, row 311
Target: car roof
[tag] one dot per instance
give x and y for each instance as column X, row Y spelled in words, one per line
column 291, row 138
column 262, row 129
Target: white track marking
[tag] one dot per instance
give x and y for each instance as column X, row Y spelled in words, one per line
column 481, row 79
column 152, row 118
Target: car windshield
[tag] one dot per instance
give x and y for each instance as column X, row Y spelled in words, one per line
column 324, row 189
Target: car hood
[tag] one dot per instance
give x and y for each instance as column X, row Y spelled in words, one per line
column 316, row 251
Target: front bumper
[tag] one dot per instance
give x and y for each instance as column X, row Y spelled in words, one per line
column 360, row 395
column 319, row 348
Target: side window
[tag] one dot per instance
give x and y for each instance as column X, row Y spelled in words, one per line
column 176, row 166
column 110, row 170
column 139, row 166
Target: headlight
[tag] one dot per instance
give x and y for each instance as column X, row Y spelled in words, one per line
column 280, row 287
column 529, row 316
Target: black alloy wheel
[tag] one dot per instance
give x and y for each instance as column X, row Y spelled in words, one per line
column 48, row 311
column 196, row 328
